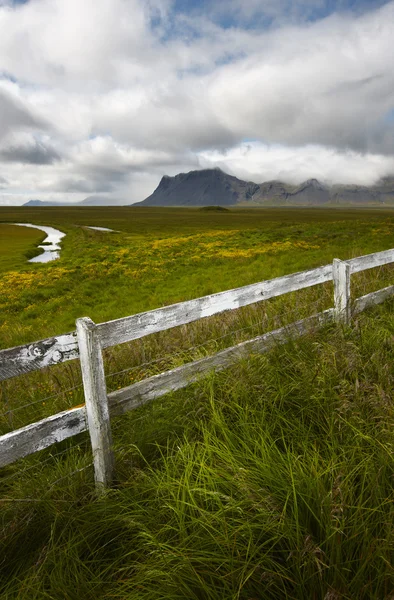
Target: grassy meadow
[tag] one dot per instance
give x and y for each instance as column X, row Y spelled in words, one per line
column 161, row 256
column 18, row 245
column 270, row 480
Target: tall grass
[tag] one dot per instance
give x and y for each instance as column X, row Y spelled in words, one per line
column 270, row 480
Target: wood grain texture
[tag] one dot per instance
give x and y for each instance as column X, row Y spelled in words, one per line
column 40, row 435
column 140, row 393
column 372, row 299
column 341, row 279
column 96, row 401
column 31, row 357
column 368, row 261
column 55, row 350
column 142, row 324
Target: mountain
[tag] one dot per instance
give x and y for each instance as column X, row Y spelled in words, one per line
column 382, row 193
column 99, row 201
column 89, row 201
column 209, row 187
column 44, row 203
column 356, row 194
column 213, row 187
column 309, row 192
column 274, row 192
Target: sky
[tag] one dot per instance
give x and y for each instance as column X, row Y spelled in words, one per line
column 104, row 97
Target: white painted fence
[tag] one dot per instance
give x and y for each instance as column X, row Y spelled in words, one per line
column 88, row 341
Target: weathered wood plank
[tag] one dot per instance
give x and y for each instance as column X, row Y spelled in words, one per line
column 40, row 435
column 31, row 357
column 96, row 402
column 372, row 299
column 368, row 261
column 142, row 324
column 140, row 393
column 341, row 278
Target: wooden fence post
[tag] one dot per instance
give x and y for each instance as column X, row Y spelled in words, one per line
column 96, row 401
column 341, row 279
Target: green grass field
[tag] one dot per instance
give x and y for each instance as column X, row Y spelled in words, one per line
column 270, row 480
column 17, row 245
column 157, row 257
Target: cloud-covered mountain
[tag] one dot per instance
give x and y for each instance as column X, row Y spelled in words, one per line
column 213, row 187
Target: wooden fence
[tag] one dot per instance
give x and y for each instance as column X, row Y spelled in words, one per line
column 89, row 339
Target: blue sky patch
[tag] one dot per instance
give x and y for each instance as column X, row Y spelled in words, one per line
column 228, row 15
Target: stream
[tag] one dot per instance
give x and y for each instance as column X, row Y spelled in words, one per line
column 50, row 245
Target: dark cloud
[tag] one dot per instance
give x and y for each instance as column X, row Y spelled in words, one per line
column 356, row 84
column 84, row 186
column 15, row 115
column 102, row 174
column 34, row 154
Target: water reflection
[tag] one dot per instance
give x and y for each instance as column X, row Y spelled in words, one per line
column 98, row 228
column 50, row 245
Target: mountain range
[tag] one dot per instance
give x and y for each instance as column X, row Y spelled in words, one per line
column 216, row 188
column 89, row 201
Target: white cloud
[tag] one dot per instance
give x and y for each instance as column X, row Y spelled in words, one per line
column 57, row 41
column 259, row 162
column 331, row 83
column 111, row 103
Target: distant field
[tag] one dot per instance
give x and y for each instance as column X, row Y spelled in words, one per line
column 270, row 480
column 159, row 256
column 155, row 221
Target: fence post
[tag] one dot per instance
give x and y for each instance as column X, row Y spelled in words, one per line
column 341, row 279
column 96, row 401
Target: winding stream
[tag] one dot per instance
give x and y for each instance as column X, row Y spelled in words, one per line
column 50, row 245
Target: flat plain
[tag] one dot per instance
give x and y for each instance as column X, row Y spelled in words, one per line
column 160, row 256
column 270, row 480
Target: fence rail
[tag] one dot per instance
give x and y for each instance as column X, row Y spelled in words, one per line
column 90, row 339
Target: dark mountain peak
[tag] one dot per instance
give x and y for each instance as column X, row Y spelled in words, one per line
column 167, row 180
column 212, row 173
column 205, row 187
column 310, row 192
column 312, row 183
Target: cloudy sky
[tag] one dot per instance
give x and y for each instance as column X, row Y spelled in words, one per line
column 104, row 97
